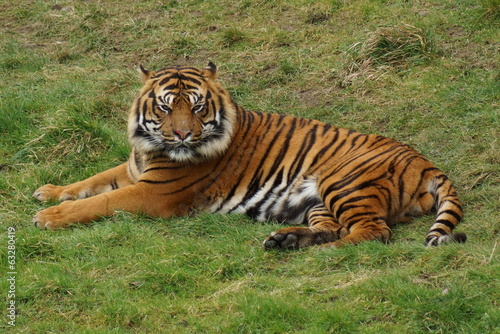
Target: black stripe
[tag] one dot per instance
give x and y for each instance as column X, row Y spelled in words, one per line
column 186, row 79
column 256, row 181
column 351, row 177
column 162, row 181
column 356, row 137
column 161, row 168
column 114, row 184
column 165, row 80
column 191, row 71
column 171, row 87
column 439, row 231
column 446, row 222
column 448, row 201
column 357, row 188
column 246, row 121
column 303, row 153
column 255, row 210
column 427, row 170
column 360, row 214
column 452, row 213
column 377, row 140
column 366, row 219
column 354, row 174
column 345, row 208
column 144, row 108
column 327, row 146
column 401, row 183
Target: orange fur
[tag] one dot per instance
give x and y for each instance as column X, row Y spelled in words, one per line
column 194, row 149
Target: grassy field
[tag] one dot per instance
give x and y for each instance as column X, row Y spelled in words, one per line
column 425, row 73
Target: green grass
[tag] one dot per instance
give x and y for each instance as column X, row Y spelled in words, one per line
column 425, row 73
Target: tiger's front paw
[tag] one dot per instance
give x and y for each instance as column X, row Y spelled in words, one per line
column 54, row 217
column 51, row 192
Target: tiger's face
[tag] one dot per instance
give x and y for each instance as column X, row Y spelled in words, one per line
column 182, row 113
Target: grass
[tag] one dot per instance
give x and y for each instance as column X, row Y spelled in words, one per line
column 394, row 48
column 423, row 73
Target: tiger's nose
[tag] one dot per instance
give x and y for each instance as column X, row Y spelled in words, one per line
column 182, row 134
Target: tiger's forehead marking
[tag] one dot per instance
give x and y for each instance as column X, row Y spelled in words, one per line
column 175, row 98
column 175, row 85
column 184, row 75
column 179, row 82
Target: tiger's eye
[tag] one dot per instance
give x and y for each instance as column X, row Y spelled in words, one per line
column 164, row 108
column 197, row 108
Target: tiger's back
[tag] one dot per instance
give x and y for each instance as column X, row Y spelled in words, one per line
column 195, row 149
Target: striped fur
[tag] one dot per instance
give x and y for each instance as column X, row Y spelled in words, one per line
column 194, row 149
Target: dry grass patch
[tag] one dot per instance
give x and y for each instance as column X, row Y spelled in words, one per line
column 491, row 9
column 387, row 49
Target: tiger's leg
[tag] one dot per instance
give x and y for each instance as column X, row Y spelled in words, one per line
column 364, row 229
column 361, row 213
column 136, row 198
column 357, row 221
column 111, row 179
column 323, row 228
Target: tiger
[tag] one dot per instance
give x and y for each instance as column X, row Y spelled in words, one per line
column 193, row 149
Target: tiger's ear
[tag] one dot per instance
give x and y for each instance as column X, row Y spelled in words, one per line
column 210, row 71
column 145, row 74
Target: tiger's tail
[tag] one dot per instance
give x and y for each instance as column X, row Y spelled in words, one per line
column 449, row 213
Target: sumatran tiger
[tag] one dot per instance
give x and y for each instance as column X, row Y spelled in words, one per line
column 194, row 149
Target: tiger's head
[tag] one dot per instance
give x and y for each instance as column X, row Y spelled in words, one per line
column 182, row 113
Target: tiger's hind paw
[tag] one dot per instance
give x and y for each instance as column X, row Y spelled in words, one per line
column 283, row 241
column 296, row 237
